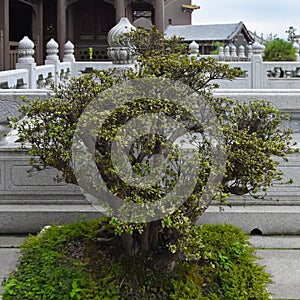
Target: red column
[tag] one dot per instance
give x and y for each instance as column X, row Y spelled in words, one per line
column 159, row 15
column 71, row 21
column 38, row 33
column 120, row 9
column 61, row 26
column 4, row 27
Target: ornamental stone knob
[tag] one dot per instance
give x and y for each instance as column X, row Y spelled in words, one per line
column 113, row 37
column 52, row 50
column 193, row 48
column 26, row 51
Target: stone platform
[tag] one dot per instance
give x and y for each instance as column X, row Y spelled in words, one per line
column 29, row 203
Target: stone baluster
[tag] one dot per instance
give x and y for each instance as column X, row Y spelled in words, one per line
column 69, row 57
column 258, row 75
column 193, row 49
column 296, row 47
column 242, row 55
column 234, row 56
column 26, row 60
column 221, row 53
column 249, row 52
column 119, row 51
column 52, row 58
column 52, row 51
column 227, row 56
column 69, row 52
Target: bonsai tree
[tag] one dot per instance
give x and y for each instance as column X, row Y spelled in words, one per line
column 153, row 147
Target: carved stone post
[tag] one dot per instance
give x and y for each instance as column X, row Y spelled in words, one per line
column 26, row 60
column 242, row 55
column 258, row 77
column 193, row 49
column 119, row 51
column 52, row 58
column 221, row 53
column 69, row 52
column 234, row 56
column 69, row 55
column 250, row 52
column 227, row 56
column 296, row 47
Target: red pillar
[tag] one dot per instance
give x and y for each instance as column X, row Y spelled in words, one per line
column 160, row 15
column 61, row 26
column 4, row 35
column 38, row 33
column 120, row 9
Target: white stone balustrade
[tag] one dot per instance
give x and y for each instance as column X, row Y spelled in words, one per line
column 256, row 73
column 14, row 79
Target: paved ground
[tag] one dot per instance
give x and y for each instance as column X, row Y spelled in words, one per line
column 280, row 255
column 9, row 254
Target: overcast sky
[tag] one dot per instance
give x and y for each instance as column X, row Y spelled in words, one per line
column 262, row 16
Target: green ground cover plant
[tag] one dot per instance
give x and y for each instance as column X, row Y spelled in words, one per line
column 69, row 262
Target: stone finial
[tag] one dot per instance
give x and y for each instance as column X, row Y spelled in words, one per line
column 242, row 55
column 257, row 48
column 26, row 51
column 296, row 47
column 113, row 37
column 233, row 52
column 227, row 53
column 52, row 50
column 69, row 52
column 193, row 48
column 250, row 52
column 119, row 51
column 221, row 53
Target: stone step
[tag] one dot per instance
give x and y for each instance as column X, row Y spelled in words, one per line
column 32, row 218
column 265, row 219
column 268, row 220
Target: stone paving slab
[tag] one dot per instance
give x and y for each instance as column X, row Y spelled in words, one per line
column 276, row 242
column 8, row 241
column 8, row 260
column 284, row 266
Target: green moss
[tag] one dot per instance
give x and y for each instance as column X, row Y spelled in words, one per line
column 68, row 263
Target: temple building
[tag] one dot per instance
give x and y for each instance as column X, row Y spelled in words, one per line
column 209, row 36
column 84, row 22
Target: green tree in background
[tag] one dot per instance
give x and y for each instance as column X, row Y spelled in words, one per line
column 279, row 50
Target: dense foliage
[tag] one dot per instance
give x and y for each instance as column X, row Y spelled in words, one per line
column 69, row 263
column 251, row 134
column 279, row 50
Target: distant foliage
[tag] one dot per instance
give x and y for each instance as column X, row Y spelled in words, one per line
column 279, row 50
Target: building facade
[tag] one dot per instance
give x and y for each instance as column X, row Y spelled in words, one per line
column 84, row 22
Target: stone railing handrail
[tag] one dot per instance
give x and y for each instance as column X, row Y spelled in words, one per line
column 14, row 79
column 256, row 73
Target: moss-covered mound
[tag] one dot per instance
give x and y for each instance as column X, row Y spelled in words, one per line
column 69, row 262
